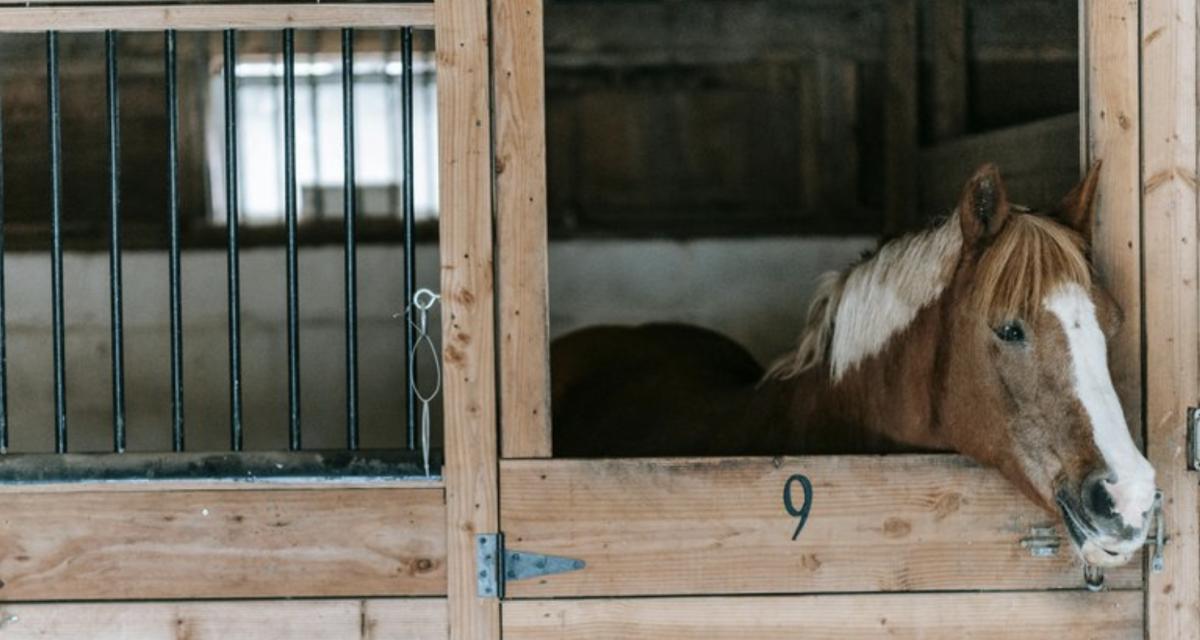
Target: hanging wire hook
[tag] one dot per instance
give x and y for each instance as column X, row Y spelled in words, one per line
column 423, row 301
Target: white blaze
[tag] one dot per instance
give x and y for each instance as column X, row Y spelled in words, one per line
column 1133, row 493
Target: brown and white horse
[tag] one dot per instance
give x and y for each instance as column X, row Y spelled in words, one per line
column 985, row 334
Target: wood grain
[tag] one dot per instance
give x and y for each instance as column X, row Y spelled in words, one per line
column 214, row 16
column 719, row 526
column 226, row 544
column 1169, row 94
column 930, row 616
column 520, row 121
column 402, row 619
column 468, row 306
column 1111, row 132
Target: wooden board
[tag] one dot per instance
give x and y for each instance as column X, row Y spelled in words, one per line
column 1112, row 133
column 468, row 305
column 222, row 544
column 719, row 526
column 520, row 120
column 949, row 77
column 901, row 105
column 214, row 16
column 951, row 616
column 1169, row 94
column 400, row 619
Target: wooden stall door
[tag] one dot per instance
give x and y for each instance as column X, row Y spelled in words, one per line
column 1172, row 332
column 734, row 548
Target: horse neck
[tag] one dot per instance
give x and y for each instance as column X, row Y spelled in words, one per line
column 886, row 402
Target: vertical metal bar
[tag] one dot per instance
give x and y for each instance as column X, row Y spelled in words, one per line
column 56, row 249
column 177, row 442
column 3, row 336
column 231, row 224
column 349, row 214
column 289, row 200
column 410, row 268
column 114, row 249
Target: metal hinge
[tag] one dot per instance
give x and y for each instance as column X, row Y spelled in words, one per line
column 495, row 565
column 1193, row 438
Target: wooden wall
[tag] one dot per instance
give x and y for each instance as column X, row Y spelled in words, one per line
column 673, row 118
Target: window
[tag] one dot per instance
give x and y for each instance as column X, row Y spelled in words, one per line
column 379, row 173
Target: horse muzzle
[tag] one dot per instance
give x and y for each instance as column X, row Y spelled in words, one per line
column 1102, row 538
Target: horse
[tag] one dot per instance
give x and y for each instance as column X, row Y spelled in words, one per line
column 984, row 334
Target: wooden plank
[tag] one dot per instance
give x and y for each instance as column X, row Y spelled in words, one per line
column 229, row 544
column 520, row 120
column 214, row 16
column 714, row 526
column 1169, row 227
column 468, row 306
column 406, row 619
column 949, row 77
column 900, row 117
column 1111, row 132
column 929, row 616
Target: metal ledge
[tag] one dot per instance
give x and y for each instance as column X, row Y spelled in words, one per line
column 244, row 467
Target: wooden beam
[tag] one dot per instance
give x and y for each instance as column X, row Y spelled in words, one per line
column 1169, row 230
column 1111, row 132
column 520, row 119
column 468, row 305
column 376, row 619
column 214, row 16
column 720, row 526
column 949, row 78
column 228, row 544
column 900, row 118
column 929, row 616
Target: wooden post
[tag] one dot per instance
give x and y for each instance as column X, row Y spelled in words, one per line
column 1108, row 39
column 949, row 78
column 519, row 93
column 1172, row 327
column 900, row 118
column 468, row 329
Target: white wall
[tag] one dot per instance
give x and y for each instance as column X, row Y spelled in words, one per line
column 754, row 290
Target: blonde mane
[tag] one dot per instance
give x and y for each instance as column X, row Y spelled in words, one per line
column 856, row 311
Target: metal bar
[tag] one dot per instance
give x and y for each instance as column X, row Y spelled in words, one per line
column 3, row 308
column 218, row 468
column 177, row 440
column 56, row 247
column 114, row 249
column 289, row 200
column 349, row 214
column 231, row 224
column 410, row 262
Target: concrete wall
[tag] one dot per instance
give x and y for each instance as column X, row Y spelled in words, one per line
column 755, row 290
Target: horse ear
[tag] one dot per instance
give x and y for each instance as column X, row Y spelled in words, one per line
column 983, row 208
column 1078, row 207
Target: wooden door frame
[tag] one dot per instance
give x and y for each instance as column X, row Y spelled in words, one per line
column 1138, row 106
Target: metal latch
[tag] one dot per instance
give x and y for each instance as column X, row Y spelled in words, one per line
column 496, row 565
column 1042, row 542
column 1193, row 438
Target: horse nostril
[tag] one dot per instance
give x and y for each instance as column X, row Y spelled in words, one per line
column 1096, row 498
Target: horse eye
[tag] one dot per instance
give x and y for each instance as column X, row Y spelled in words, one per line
column 1010, row 332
